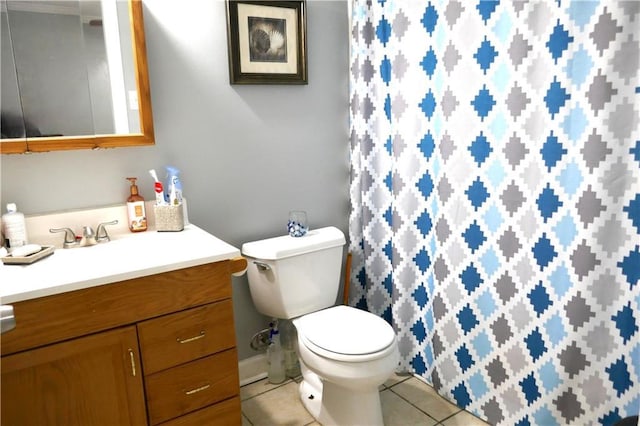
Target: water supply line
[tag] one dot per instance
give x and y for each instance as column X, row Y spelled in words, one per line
column 260, row 340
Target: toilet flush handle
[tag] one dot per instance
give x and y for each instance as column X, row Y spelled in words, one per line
column 262, row 266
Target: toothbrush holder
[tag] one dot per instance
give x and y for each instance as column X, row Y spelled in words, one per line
column 169, row 218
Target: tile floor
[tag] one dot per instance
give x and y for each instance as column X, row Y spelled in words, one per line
column 406, row 400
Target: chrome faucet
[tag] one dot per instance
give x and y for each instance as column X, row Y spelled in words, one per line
column 89, row 237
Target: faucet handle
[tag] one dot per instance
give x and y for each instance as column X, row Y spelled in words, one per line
column 101, row 232
column 69, row 236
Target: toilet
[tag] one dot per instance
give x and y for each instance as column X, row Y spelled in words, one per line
column 345, row 353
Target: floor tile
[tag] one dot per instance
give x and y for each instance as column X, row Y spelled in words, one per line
column 279, row 406
column 245, row 421
column 464, row 418
column 395, row 379
column 425, row 398
column 406, row 400
column 396, row 411
column 256, row 388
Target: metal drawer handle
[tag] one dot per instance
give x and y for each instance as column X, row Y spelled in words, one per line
column 133, row 363
column 7, row 318
column 196, row 390
column 191, row 339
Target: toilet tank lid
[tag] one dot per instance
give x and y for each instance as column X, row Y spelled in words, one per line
column 287, row 246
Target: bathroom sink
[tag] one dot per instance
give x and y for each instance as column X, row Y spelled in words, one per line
column 126, row 256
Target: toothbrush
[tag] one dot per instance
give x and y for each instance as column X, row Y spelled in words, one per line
column 157, row 188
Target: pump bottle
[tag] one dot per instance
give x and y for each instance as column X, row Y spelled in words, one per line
column 173, row 195
column 135, row 208
column 275, row 356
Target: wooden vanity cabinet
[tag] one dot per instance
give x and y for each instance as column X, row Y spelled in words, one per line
column 152, row 350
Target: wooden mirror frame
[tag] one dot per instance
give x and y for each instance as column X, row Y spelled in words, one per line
column 145, row 138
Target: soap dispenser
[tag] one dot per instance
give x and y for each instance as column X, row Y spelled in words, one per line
column 135, row 208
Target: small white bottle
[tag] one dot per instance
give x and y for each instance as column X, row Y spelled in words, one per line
column 14, row 228
column 276, row 360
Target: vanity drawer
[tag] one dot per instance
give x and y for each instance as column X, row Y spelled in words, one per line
column 188, row 387
column 184, row 336
column 225, row 413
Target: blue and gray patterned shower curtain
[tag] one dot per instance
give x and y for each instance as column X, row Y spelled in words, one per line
column 495, row 151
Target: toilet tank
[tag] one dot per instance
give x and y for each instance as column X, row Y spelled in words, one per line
column 290, row 277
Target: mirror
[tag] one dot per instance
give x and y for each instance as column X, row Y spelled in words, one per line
column 74, row 75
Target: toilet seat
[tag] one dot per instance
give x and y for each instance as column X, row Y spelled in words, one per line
column 346, row 334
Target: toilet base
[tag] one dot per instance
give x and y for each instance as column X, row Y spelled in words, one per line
column 344, row 407
column 331, row 405
column 311, row 397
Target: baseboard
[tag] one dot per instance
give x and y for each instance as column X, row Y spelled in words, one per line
column 252, row 369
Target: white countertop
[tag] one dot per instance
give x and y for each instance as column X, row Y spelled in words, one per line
column 125, row 257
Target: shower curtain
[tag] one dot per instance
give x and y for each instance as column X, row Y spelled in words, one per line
column 495, row 187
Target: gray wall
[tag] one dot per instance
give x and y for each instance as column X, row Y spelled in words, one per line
column 248, row 154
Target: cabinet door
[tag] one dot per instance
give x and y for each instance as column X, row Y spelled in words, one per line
column 93, row 380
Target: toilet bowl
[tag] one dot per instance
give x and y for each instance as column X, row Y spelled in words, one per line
column 345, row 353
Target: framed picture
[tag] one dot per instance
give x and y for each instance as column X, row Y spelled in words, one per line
column 267, row 42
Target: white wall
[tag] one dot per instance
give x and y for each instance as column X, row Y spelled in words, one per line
column 248, row 154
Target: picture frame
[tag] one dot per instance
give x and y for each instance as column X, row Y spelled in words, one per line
column 267, row 42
